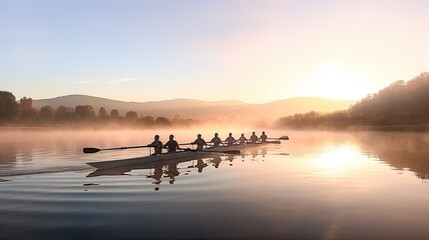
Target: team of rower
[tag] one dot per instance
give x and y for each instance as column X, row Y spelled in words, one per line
column 172, row 146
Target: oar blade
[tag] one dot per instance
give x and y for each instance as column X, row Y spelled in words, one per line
column 284, row 138
column 90, row 150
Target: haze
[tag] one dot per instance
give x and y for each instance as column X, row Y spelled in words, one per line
column 253, row 51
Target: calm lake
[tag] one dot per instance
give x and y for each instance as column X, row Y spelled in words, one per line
column 317, row 185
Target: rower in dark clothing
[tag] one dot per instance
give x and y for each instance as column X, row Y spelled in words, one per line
column 171, row 145
column 253, row 138
column 216, row 140
column 200, row 142
column 230, row 140
column 157, row 145
column 242, row 139
column 263, row 137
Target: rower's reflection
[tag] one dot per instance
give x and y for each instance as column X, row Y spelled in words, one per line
column 200, row 165
column 216, row 161
column 230, row 159
column 157, row 175
column 254, row 152
column 172, row 172
column 263, row 152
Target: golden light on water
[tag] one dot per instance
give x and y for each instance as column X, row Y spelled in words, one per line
column 338, row 159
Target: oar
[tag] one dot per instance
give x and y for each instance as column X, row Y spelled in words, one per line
column 94, row 150
column 281, row 138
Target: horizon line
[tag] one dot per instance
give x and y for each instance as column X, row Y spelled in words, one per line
column 193, row 99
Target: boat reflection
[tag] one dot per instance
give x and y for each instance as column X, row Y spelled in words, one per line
column 123, row 170
column 171, row 169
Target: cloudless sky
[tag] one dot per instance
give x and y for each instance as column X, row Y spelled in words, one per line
column 254, row 51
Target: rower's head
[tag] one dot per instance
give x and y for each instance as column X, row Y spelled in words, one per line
column 216, row 134
column 242, row 134
column 156, row 137
column 230, row 134
column 263, row 132
column 171, row 137
column 253, row 133
column 199, row 136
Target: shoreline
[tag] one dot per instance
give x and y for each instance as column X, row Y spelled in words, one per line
column 387, row 128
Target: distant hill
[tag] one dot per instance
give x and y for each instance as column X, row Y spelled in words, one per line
column 197, row 109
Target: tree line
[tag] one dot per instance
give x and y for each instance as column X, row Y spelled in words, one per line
column 401, row 103
column 22, row 112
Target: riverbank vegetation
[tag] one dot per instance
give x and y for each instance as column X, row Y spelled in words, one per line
column 23, row 114
column 400, row 106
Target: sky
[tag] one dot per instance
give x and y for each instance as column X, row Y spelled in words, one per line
column 253, row 51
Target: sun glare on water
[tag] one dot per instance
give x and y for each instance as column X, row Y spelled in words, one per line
column 339, row 159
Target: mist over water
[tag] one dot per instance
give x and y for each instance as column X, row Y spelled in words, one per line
column 323, row 185
column 39, row 151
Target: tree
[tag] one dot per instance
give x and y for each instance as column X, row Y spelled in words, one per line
column 114, row 113
column 85, row 113
column 102, row 113
column 61, row 114
column 162, row 121
column 131, row 116
column 9, row 109
column 70, row 114
column 64, row 114
column 147, row 121
column 47, row 114
column 27, row 112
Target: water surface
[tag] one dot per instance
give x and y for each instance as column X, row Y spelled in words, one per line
column 317, row 185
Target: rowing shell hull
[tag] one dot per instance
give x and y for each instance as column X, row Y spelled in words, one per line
column 179, row 155
column 148, row 159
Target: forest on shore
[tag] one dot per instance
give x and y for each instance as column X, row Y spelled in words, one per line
column 400, row 106
column 22, row 113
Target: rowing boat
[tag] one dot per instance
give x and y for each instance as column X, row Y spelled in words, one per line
column 176, row 156
column 149, row 159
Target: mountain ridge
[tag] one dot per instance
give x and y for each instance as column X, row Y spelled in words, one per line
column 233, row 110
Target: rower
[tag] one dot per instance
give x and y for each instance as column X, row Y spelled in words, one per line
column 216, row 141
column 253, row 138
column 171, row 145
column 230, row 140
column 157, row 146
column 200, row 143
column 242, row 139
column 263, row 137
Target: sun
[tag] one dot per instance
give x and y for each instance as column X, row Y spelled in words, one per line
column 336, row 81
